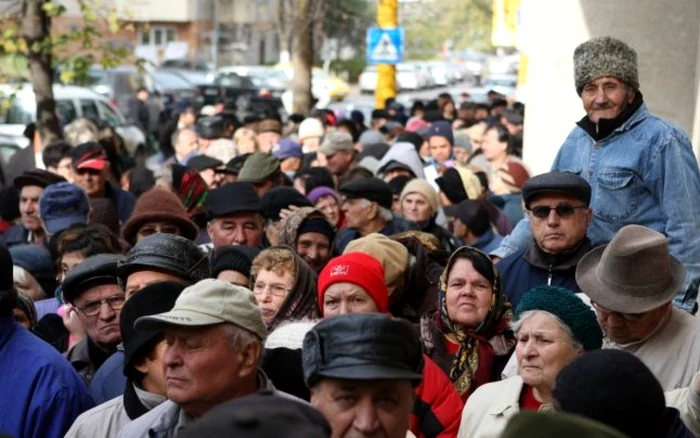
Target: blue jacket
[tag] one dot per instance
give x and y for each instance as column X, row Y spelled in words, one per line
column 41, row 394
column 643, row 173
column 488, row 242
column 395, row 226
column 15, row 235
column 123, row 202
column 109, row 380
column 528, row 268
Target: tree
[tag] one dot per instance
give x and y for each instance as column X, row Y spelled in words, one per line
column 28, row 32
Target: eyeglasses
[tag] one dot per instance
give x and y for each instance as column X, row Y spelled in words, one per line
column 276, row 290
column 563, row 210
column 92, row 308
column 625, row 316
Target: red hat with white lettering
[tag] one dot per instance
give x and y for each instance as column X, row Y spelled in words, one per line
column 357, row 268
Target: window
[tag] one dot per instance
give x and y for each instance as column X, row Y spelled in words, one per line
column 157, row 36
column 109, row 115
column 66, row 111
column 89, row 109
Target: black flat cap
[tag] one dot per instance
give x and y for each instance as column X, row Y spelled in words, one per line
column 261, row 415
column 233, row 258
column 156, row 298
column 203, row 162
column 452, row 186
column 167, row 253
column 236, row 197
column 235, row 164
column 37, row 177
column 210, row 128
column 362, row 346
column 566, row 183
column 474, row 214
column 93, row 271
column 372, row 189
column 282, row 197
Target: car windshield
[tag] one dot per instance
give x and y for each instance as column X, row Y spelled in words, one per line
column 169, row 80
column 22, row 111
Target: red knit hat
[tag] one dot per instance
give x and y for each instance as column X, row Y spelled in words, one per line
column 357, row 268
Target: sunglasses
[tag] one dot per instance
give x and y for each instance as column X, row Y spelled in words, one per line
column 625, row 316
column 563, row 210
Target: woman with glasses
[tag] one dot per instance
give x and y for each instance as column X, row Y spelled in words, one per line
column 469, row 336
column 284, row 286
column 552, row 327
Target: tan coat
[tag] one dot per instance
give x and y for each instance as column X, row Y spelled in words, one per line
column 490, row 407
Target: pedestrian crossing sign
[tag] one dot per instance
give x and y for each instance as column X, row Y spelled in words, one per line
column 385, row 46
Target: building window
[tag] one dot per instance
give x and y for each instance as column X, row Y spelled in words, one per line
column 157, row 36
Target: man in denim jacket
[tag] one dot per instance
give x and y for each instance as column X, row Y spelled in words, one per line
column 641, row 168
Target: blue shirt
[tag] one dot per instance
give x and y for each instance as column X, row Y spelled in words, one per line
column 488, row 242
column 644, row 173
column 109, row 380
column 41, row 395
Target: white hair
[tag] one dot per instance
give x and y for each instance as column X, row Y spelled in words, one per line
column 383, row 213
column 22, row 276
column 241, row 338
column 517, row 325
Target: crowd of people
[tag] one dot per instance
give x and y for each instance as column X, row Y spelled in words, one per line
column 322, row 277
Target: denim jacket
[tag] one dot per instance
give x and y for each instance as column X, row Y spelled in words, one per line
column 644, row 173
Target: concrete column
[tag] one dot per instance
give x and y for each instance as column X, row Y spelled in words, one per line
column 665, row 35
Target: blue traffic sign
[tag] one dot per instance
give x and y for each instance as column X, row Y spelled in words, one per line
column 385, row 46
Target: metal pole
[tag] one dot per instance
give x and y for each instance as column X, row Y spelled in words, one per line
column 215, row 35
column 387, row 17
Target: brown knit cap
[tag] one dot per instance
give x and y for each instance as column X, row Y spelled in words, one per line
column 159, row 205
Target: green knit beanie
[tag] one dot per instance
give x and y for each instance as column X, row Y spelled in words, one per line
column 569, row 308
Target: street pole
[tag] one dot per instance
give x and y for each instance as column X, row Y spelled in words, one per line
column 215, row 36
column 387, row 17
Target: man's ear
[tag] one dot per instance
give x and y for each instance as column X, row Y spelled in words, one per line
column 250, row 357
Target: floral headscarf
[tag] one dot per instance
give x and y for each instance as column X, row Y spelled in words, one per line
column 473, row 363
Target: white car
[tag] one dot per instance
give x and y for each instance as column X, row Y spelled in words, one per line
column 408, row 77
column 440, row 73
column 71, row 102
column 368, row 79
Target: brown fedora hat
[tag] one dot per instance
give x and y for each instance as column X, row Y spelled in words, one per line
column 634, row 273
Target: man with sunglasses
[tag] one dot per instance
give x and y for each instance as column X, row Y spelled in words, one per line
column 631, row 283
column 92, row 288
column 557, row 209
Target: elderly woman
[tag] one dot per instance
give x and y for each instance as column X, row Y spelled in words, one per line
column 308, row 231
column 469, row 336
column 419, row 203
column 327, row 200
column 158, row 211
column 284, row 286
column 553, row 328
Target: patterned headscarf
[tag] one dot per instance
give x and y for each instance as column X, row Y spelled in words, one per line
column 191, row 189
column 473, row 363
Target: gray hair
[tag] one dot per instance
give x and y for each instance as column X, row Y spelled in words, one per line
column 383, row 213
column 517, row 325
column 176, row 135
column 241, row 338
column 81, row 130
column 21, row 275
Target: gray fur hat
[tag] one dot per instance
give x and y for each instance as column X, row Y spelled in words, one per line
column 604, row 56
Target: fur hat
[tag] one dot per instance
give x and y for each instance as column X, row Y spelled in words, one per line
column 604, row 56
column 158, row 205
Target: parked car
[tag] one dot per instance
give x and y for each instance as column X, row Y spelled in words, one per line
column 71, row 102
column 439, row 71
column 264, row 78
column 244, row 95
column 408, row 77
column 368, row 79
column 502, row 83
column 195, row 72
column 475, row 64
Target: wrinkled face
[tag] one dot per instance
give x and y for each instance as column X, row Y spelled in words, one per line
column 236, row 229
column 315, row 249
column 543, row 349
column 103, row 327
column 342, row 298
column 267, row 140
column 157, row 227
column 415, row 208
column 140, row 279
column 555, row 234
column 92, row 181
column 152, row 366
column 329, row 206
column 339, row 162
column 468, row 294
column 365, row 408
column 625, row 328
column 492, row 147
column 29, row 207
column 356, row 211
column 440, row 148
column 202, row 369
column 605, row 98
column 69, row 261
column 234, row 277
column 270, row 291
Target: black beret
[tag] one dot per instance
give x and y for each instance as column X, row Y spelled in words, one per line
column 372, row 189
column 233, row 258
column 236, row 197
column 210, row 128
column 567, row 183
column 156, row 298
column 93, row 271
column 203, row 162
column 362, row 346
column 235, row 164
column 37, row 177
column 261, row 415
column 282, row 197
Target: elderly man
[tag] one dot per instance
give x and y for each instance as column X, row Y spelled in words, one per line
column 154, row 259
column 93, row 290
column 263, row 171
column 367, row 209
column 641, row 168
column 214, row 337
column 185, row 144
column 631, row 283
column 557, row 208
column 235, row 216
column 31, row 185
column 362, row 387
column 269, row 134
column 145, row 384
column 471, row 224
column 340, row 154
